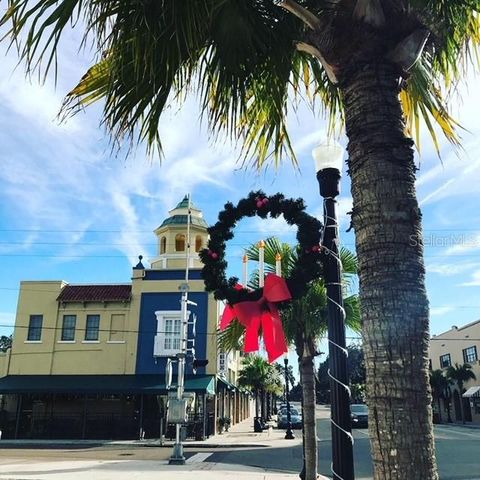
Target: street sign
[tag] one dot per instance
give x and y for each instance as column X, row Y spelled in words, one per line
column 177, row 410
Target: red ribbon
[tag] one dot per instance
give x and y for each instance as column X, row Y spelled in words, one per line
column 262, row 313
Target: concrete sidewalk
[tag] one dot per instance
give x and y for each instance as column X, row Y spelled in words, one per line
column 133, row 470
column 240, row 435
column 17, row 466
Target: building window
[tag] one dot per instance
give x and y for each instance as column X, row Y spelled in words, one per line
column 445, row 361
column 198, row 243
column 92, row 328
column 35, row 328
column 163, row 245
column 68, row 328
column 470, row 355
column 172, row 333
column 180, row 242
column 117, row 328
column 168, row 339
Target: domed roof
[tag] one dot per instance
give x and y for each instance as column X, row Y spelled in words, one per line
column 182, row 220
column 179, row 215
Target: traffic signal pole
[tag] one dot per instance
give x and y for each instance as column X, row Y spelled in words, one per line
column 178, row 457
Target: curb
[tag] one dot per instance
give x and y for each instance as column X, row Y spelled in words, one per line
column 65, row 445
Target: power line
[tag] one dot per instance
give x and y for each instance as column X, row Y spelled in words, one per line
column 116, row 230
column 148, row 332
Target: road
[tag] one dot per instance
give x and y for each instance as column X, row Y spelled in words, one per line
column 457, row 448
column 457, row 456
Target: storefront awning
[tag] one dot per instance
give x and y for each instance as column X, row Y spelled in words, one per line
column 222, row 382
column 92, row 384
column 472, row 392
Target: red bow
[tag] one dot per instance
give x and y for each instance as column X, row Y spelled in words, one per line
column 262, row 313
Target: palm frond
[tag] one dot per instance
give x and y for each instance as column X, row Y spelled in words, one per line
column 231, row 339
column 241, row 60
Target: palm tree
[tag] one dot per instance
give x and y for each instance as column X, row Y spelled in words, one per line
column 363, row 60
column 260, row 377
column 290, row 374
column 304, row 321
column 438, row 384
column 461, row 374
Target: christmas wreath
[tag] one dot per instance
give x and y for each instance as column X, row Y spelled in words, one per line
column 258, row 309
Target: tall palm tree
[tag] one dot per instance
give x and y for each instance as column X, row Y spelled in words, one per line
column 305, row 322
column 438, row 383
column 290, row 374
column 461, row 374
column 260, row 377
column 363, row 60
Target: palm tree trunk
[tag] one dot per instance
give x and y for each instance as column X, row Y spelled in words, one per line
column 309, row 425
column 387, row 223
column 262, row 396
column 460, row 390
column 439, row 402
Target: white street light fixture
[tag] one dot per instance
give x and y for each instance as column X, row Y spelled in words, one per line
column 329, row 154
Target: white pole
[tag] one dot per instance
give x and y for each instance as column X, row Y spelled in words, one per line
column 278, row 264
column 261, row 263
column 245, row 271
column 177, row 456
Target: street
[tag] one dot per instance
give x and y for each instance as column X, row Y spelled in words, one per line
column 457, row 453
column 457, row 456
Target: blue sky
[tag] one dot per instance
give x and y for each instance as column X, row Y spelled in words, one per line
column 70, row 210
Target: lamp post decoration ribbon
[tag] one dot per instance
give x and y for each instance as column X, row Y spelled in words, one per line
column 259, row 310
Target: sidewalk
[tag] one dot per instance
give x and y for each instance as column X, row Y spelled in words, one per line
column 240, row 435
column 134, row 470
column 197, row 466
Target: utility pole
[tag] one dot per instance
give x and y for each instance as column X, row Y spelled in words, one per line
column 177, row 457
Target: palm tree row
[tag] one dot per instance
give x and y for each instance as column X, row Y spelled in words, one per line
column 441, row 381
column 380, row 65
column 263, row 379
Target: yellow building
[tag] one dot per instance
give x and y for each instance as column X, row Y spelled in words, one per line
column 94, row 356
column 458, row 346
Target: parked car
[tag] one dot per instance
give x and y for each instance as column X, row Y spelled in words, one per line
column 359, row 415
column 295, row 416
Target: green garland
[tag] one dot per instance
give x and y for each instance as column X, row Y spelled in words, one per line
column 306, row 268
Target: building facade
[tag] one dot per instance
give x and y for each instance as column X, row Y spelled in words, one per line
column 459, row 345
column 90, row 361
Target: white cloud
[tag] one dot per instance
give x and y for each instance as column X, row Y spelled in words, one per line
column 270, row 227
column 440, row 311
column 465, row 243
column 345, row 205
column 449, row 269
column 474, row 280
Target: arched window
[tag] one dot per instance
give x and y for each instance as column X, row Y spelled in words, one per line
column 163, row 245
column 198, row 243
column 180, row 242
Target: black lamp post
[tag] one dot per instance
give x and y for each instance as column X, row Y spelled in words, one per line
column 328, row 161
column 288, row 434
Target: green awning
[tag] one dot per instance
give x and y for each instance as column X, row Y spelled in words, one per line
column 222, row 382
column 113, row 384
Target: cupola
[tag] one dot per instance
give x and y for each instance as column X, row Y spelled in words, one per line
column 172, row 237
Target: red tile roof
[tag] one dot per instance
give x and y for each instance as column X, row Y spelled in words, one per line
column 95, row 293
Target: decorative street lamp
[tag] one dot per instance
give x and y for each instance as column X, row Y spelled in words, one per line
column 328, row 158
column 288, row 434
